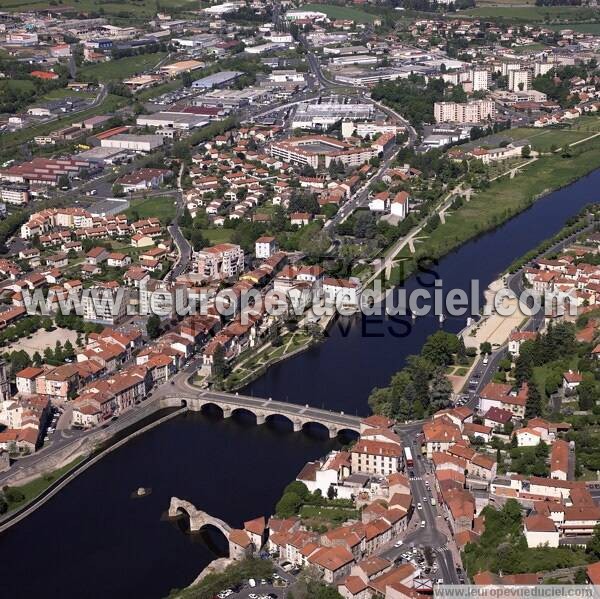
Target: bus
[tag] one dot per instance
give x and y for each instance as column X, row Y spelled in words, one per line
column 408, row 456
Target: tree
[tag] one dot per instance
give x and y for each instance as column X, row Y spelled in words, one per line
column 587, row 394
column 461, row 352
column 19, row 360
column 288, row 505
column 299, row 488
column 153, row 326
column 593, row 545
column 525, row 152
column 440, row 348
column 523, row 369
column 68, row 350
column 187, row 79
column 440, row 393
column 485, row 347
column 220, row 368
column 37, row 359
column 533, row 405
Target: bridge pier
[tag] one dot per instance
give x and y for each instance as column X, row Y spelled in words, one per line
column 260, row 418
column 333, row 432
column 297, row 425
column 227, row 411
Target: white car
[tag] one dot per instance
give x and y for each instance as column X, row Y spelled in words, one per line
column 398, row 544
column 422, row 523
column 419, row 506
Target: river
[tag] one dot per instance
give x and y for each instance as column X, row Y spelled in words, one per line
column 94, row 540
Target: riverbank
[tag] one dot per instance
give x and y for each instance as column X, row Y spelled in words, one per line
column 502, row 200
column 39, row 489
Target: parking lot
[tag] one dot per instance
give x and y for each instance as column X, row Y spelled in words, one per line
column 276, row 587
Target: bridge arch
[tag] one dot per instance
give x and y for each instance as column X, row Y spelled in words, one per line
column 276, row 418
column 198, row 518
column 244, row 411
column 211, row 407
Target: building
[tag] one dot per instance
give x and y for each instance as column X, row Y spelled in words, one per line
column 220, row 261
column 143, row 179
column 137, row 143
column 216, row 80
column 320, row 151
column 178, row 121
column 311, row 115
column 265, row 247
column 476, row 111
column 376, row 457
column 399, row 205
column 17, row 196
column 559, row 460
column 106, row 303
column 47, row 171
column 481, row 79
column 519, row 80
column 540, row 531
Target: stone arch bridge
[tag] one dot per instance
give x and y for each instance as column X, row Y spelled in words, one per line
column 263, row 409
column 198, row 518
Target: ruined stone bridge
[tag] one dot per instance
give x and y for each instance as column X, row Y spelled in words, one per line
column 263, row 409
column 198, row 518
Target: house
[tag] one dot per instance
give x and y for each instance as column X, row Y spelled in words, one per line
column 376, row 457
column 118, row 260
column 333, row 562
column 143, row 179
column 380, row 202
column 540, row 531
column 96, row 256
column 25, row 379
column 497, row 418
column 571, row 380
column 515, row 340
column 439, row 434
column 559, row 460
column 527, row 437
column 300, row 218
column 341, row 293
column 399, row 205
column 265, row 247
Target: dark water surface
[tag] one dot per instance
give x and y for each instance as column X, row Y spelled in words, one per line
column 93, row 540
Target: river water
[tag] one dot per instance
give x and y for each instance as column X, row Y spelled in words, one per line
column 93, row 540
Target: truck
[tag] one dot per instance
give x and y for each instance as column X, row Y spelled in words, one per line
column 408, row 456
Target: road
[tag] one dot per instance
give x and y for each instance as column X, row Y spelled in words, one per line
column 184, row 249
column 429, row 535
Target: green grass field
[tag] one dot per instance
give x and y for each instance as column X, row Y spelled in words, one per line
column 534, row 13
column 542, row 140
column 506, row 197
column 17, row 84
column 161, row 207
column 116, row 70
column 341, row 12
column 579, row 27
column 217, row 235
column 134, row 8
column 59, row 94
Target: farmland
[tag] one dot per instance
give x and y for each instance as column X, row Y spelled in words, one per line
column 116, row 70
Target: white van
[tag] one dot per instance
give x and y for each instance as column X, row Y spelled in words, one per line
column 251, row 582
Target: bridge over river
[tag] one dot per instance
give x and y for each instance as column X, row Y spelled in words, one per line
column 264, row 409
